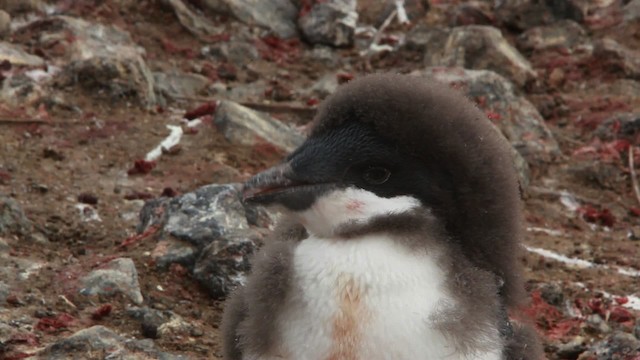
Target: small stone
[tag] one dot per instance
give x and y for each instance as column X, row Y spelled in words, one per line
column 617, row 346
column 565, row 35
column 117, row 276
column 552, row 293
column 618, row 56
column 5, row 24
column 179, row 85
column 223, row 265
column 572, row 349
column 276, row 15
column 16, row 56
column 244, row 126
column 596, row 325
column 4, row 293
column 330, row 22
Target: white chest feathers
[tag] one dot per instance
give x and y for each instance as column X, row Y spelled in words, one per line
column 366, row 298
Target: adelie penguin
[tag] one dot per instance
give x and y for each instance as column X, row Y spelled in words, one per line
column 399, row 240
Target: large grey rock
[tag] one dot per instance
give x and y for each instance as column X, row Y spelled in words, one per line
column 4, row 293
column 208, row 232
column 330, row 22
column 244, row 126
column 119, row 276
column 16, row 56
column 476, row 47
column 276, row 15
column 101, row 340
column 564, row 35
column 102, row 59
column 618, row 57
column 514, row 115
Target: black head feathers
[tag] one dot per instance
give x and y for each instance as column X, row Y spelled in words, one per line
column 476, row 193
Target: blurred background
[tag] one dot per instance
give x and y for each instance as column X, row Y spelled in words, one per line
column 126, row 127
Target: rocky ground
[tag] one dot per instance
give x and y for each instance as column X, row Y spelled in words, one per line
column 126, row 126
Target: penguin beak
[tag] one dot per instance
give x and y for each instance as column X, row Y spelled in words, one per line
column 262, row 187
column 280, row 185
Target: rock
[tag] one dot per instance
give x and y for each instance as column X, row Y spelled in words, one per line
column 223, row 264
column 595, row 324
column 196, row 23
column 563, row 35
column 477, row 47
column 101, row 340
column 325, row 86
column 572, row 349
column 15, row 55
column 235, row 51
column 102, row 59
column 631, row 11
column 325, row 55
column 117, row 276
column 552, row 293
column 424, row 38
column 21, row 6
column 5, row 24
column 276, row 15
column 13, row 221
column 4, row 293
column 158, row 324
column 618, row 56
column 595, row 14
column 213, row 225
column 241, row 125
column 514, row 115
column 525, row 14
column 171, row 251
column 330, row 22
column 636, row 329
column 177, row 84
column 620, row 126
column 471, row 13
column 618, row 346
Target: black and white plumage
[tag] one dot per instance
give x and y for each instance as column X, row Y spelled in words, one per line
column 400, row 238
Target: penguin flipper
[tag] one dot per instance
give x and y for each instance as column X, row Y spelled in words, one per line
column 250, row 315
column 235, row 312
column 523, row 344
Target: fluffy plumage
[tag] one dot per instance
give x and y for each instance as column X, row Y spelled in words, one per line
column 402, row 192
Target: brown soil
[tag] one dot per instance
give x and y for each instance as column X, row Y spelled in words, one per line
column 49, row 164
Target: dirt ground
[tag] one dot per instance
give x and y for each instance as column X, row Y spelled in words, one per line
column 47, row 165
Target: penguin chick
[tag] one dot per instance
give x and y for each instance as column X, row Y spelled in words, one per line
column 400, row 234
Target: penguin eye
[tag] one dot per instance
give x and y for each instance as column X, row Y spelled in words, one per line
column 376, row 175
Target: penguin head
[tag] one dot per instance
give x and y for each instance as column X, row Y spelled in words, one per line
column 387, row 143
column 345, row 174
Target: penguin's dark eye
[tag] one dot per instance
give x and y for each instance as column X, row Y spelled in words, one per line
column 376, row 175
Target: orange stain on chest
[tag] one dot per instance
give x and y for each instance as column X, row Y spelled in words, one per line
column 347, row 323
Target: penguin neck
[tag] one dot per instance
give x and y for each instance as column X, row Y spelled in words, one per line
column 350, row 206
